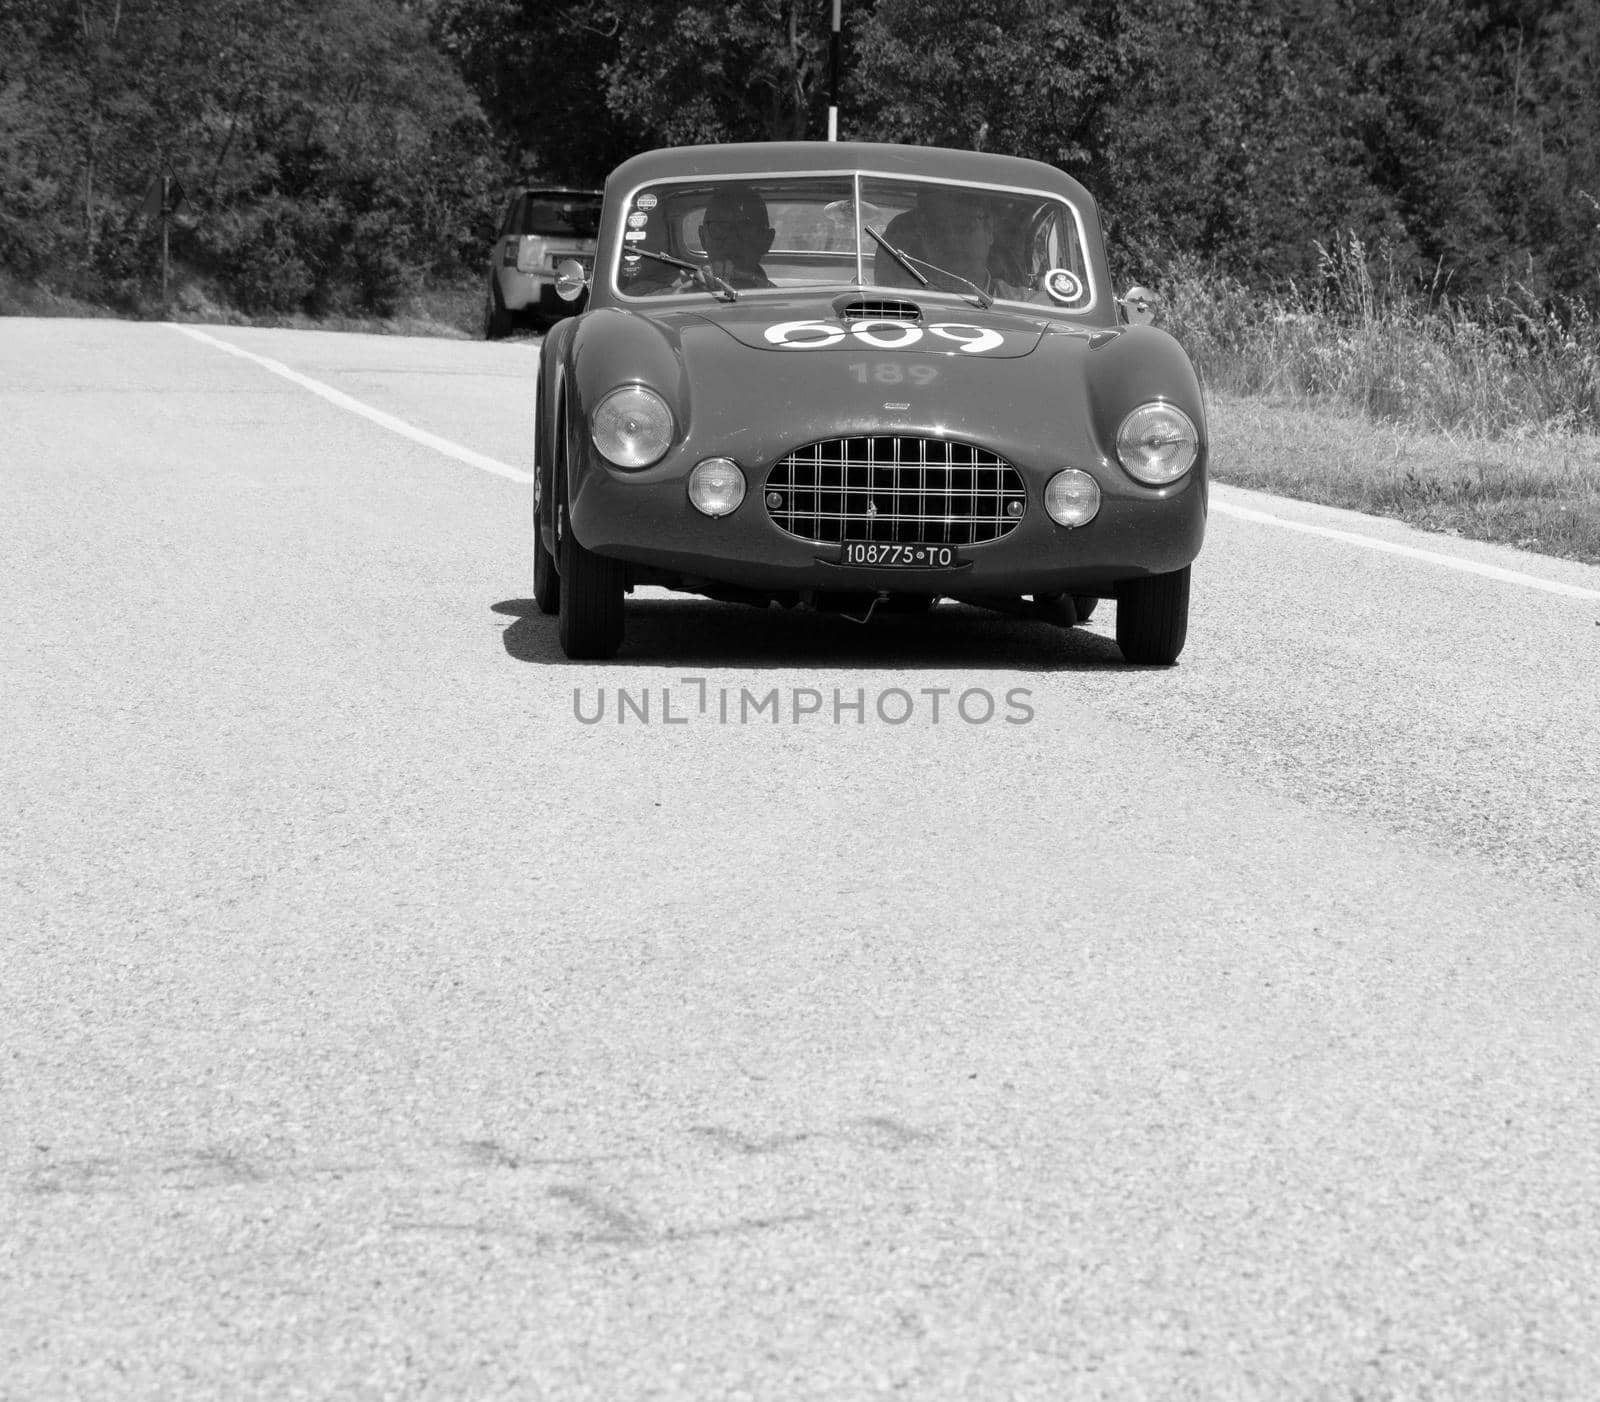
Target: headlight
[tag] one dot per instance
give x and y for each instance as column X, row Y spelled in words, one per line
column 631, row 426
column 1071, row 497
column 716, row 486
column 1157, row 444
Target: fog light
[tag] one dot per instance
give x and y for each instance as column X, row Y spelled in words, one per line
column 1072, row 498
column 716, row 486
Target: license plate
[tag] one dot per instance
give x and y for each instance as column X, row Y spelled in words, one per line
column 884, row 555
column 587, row 259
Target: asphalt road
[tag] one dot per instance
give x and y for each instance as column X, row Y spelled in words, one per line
column 372, row 1024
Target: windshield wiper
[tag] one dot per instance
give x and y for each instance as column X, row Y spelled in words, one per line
column 906, row 260
column 702, row 273
column 900, row 257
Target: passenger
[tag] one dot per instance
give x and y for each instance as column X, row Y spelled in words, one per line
column 953, row 231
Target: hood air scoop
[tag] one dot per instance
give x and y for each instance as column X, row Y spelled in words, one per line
column 877, row 309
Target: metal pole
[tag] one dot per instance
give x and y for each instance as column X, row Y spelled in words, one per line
column 833, row 74
column 165, row 190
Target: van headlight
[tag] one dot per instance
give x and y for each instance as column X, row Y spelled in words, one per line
column 631, row 426
column 1157, row 444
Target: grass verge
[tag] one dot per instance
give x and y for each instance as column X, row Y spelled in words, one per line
column 1475, row 418
column 1537, row 490
column 453, row 310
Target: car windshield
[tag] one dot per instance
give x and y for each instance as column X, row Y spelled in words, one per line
column 781, row 232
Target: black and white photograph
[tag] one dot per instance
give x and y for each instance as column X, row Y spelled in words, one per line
column 800, row 699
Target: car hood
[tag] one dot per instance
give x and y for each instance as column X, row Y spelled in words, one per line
column 855, row 323
column 1056, row 391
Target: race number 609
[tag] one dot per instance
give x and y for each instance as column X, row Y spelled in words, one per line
column 882, row 334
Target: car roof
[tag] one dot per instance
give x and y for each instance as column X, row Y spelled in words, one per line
column 925, row 162
column 555, row 190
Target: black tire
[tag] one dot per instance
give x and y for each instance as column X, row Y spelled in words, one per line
column 1084, row 604
column 1153, row 618
column 589, row 604
column 546, row 578
column 496, row 317
column 546, row 582
column 1055, row 608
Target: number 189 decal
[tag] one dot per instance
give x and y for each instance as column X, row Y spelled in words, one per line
column 883, row 334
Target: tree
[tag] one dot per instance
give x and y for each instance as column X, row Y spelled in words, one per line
column 329, row 150
column 538, row 72
column 633, row 76
column 36, row 152
column 1022, row 77
column 1230, row 137
column 747, row 70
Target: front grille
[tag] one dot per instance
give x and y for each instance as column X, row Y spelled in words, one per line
column 923, row 491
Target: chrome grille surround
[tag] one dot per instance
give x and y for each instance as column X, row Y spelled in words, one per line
column 894, row 488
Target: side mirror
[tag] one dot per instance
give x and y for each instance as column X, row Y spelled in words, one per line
column 571, row 280
column 1138, row 305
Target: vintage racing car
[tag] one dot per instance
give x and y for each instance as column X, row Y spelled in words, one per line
column 845, row 374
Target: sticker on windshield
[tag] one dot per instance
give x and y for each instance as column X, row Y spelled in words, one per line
column 637, row 220
column 646, row 201
column 884, row 334
column 1064, row 286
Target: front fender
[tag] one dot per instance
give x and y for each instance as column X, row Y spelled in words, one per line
column 604, row 349
column 1130, row 367
column 611, row 348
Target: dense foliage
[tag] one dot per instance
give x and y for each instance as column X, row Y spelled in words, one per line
column 1462, row 140
column 344, row 150
column 328, row 150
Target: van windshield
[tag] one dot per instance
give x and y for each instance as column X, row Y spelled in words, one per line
column 576, row 216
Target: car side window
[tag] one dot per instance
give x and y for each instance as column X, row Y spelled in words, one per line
column 512, row 223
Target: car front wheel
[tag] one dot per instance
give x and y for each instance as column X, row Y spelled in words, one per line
column 1153, row 618
column 546, row 582
column 590, row 597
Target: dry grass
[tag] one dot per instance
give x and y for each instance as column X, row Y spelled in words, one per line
column 1364, row 340
column 1480, row 420
column 453, row 310
column 1537, row 490
column 22, row 298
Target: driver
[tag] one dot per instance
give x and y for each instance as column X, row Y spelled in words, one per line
column 737, row 236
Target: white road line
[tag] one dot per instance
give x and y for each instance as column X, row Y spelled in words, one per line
column 366, row 411
column 1410, row 552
